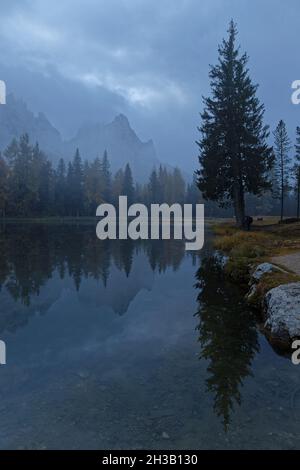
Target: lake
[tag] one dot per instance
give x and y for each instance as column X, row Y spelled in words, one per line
column 133, row 345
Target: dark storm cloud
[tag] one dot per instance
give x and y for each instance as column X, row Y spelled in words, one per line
column 88, row 59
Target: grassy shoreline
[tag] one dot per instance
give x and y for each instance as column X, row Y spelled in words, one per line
column 246, row 250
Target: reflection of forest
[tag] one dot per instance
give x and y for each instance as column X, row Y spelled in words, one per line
column 39, row 263
column 31, row 253
column 227, row 335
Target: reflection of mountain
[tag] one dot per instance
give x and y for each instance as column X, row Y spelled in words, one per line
column 121, row 289
column 40, row 262
column 15, row 314
column 117, row 294
column 227, row 335
column 117, row 137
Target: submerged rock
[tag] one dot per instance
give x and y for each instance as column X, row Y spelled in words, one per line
column 282, row 313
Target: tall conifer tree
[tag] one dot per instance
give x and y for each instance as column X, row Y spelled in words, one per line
column 297, row 170
column 234, row 155
column 128, row 187
column 282, row 146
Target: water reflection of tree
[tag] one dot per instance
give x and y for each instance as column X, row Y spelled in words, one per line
column 164, row 253
column 31, row 253
column 29, row 261
column 227, row 334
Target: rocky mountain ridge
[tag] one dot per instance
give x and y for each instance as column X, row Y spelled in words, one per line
column 117, row 137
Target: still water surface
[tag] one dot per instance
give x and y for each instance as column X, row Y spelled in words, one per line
column 122, row 345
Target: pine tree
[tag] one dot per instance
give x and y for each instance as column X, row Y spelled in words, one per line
column 69, row 181
column 282, row 146
column 86, row 173
column 22, row 181
column 106, row 178
column 179, row 186
column 46, row 188
column 10, row 155
column 297, row 170
column 35, row 178
column 234, row 155
column 4, row 186
column 94, row 185
column 117, row 186
column 193, row 195
column 154, row 188
column 77, row 184
column 60, row 188
column 128, row 187
column 41, row 183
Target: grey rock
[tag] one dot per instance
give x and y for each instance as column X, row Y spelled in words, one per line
column 282, row 310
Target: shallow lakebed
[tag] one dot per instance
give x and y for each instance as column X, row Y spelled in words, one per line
column 117, row 345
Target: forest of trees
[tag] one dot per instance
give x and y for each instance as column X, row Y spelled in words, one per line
column 30, row 186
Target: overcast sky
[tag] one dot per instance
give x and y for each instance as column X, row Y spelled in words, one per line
column 87, row 60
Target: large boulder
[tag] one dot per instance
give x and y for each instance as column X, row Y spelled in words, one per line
column 282, row 313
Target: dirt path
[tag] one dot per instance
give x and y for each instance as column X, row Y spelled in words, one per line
column 291, row 262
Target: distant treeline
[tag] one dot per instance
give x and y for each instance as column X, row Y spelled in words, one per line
column 30, row 186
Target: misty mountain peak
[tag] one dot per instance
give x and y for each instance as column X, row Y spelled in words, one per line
column 122, row 126
column 122, row 144
column 17, row 119
column 121, row 120
column 117, row 137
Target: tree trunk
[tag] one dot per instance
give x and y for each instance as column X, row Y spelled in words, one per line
column 239, row 205
column 298, row 194
column 282, row 187
column 282, row 207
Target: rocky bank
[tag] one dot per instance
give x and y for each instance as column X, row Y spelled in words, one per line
column 280, row 305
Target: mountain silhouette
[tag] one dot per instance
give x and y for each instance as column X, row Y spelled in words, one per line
column 117, row 137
